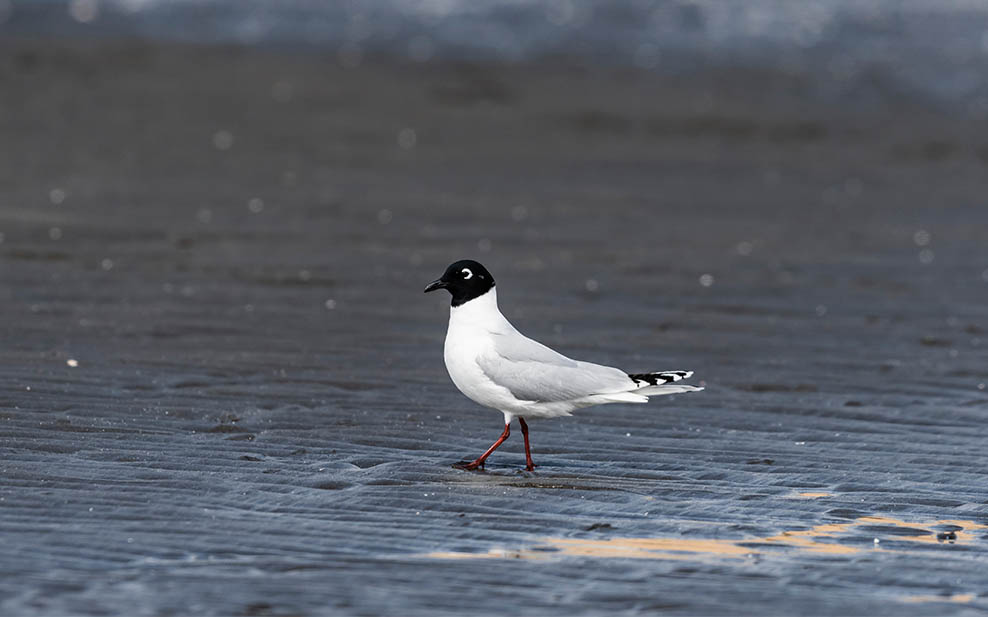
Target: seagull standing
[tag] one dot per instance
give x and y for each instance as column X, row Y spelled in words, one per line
column 497, row 366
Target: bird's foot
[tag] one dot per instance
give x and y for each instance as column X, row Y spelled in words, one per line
column 469, row 465
column 530, row 467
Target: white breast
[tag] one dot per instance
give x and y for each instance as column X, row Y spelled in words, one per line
column 472, row 327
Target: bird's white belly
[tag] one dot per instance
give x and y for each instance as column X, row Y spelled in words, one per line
column 460, row 353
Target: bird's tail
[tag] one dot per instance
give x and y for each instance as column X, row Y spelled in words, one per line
column 663, row 382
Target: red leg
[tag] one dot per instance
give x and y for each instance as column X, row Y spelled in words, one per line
column 529, row 465
column 483, row 457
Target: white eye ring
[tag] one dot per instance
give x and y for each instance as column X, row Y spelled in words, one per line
column 467, row 275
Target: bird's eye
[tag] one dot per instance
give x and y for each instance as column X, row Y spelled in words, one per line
column 467, row 274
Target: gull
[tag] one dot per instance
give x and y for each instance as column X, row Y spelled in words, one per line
column 497, row 366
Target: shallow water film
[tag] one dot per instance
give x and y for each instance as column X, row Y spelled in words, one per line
column 222, row 389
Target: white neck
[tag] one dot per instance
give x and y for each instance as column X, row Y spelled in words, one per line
column 481, row 311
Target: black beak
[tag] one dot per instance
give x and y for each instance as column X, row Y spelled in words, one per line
column 434, row 285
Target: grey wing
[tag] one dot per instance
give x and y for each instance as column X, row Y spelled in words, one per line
column 533, row 372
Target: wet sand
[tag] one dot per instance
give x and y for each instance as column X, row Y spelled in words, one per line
column 222, row 390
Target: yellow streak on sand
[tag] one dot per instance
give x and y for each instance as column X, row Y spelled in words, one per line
column 960, row 598
column 806, row 540
column 648, row 548
column 813, row 495
column 929, row 538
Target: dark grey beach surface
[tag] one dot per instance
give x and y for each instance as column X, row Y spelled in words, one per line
column 222, row 389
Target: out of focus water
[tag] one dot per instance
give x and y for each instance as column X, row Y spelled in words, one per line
column 850, row 50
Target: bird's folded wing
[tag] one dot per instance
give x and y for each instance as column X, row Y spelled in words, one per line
column 533, row 372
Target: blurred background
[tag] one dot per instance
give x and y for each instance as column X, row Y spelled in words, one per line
column 222, row 390
column 849, row 50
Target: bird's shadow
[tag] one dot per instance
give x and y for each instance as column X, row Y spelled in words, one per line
column 496, row 471
column 521, row 478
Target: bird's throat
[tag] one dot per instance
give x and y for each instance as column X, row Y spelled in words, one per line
column 481, row 310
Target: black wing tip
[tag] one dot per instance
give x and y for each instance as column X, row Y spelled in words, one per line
column 660, row 378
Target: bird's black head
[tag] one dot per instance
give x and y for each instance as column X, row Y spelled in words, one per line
column 465, row 280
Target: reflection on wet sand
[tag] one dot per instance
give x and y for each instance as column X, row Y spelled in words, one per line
column 654, row 548
column 807, row 539
column 960, row 598
column 823, row 538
